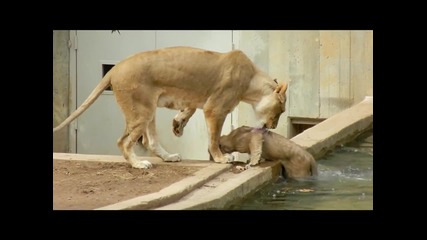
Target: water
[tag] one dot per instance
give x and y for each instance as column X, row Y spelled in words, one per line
column 345, row 182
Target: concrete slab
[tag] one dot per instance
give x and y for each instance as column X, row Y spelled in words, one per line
column 226, row 188
column 171, row 193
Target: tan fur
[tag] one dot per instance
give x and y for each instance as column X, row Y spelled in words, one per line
column 261, row 143
column 185, row 78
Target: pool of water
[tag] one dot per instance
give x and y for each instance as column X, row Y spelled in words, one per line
column 345, row 182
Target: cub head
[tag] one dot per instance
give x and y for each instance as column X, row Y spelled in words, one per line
column 233, row 141
column 271, row 106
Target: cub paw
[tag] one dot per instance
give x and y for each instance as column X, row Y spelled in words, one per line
column 240, row 168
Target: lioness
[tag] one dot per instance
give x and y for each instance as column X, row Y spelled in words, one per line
column 261, row 143
column 185, row 78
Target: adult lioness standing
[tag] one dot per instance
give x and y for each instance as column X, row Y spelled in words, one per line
column 185, row 78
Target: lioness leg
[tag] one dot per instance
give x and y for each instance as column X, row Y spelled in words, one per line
column 128, row 140
column 121, row 140
column 180, row 120
column 214, row 122
column 155, row 147
column 125, row 135
column 138, row 110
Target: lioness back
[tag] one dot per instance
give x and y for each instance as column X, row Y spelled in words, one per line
column 187, row 67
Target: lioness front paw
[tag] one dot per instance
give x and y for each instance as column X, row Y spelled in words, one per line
column 251, row 164
column 177, row 127
column 230, row 158
column 176, row 157
column 144, row 164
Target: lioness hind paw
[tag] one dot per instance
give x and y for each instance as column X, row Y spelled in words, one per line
column 173, row 158
column 144, row 164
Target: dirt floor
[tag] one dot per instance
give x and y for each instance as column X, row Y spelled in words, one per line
column 89, row 185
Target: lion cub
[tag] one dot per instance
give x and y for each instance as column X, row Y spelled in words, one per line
column 261, row 143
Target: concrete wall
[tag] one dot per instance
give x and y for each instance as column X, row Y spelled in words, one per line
column 61, row 78
column 361, row 64
column 327, row 71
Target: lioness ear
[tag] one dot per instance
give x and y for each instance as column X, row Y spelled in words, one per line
column 283, row 89
column 280, row 97
column 277, row 90
column 281, row 92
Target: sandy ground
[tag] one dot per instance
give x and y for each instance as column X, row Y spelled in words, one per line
column 89, row 185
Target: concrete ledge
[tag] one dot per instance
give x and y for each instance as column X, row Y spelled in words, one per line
column 171, row 193
column 226, row 188
column 338, row 129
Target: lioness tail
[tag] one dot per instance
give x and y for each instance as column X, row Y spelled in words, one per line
column 105, row 82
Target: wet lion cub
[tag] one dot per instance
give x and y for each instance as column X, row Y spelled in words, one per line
column 262, row 143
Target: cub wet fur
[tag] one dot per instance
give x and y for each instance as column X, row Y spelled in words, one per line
column 261, row 143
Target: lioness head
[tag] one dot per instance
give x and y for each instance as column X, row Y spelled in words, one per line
column 269, row 109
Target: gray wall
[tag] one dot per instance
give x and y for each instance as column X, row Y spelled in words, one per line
column 327, row 71
column 61, row 81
